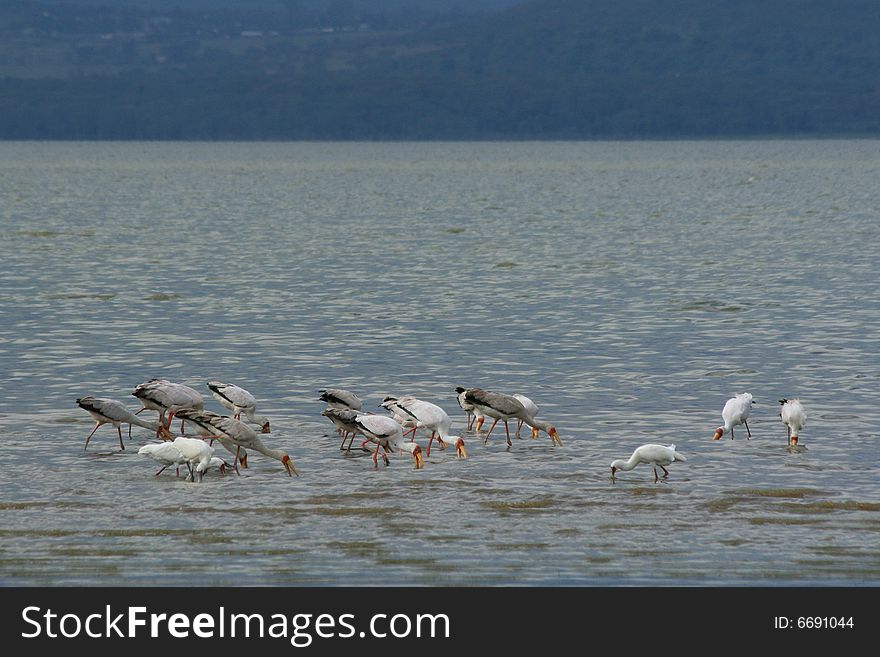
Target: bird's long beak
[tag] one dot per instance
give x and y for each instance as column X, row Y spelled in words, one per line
column 243, row 461
column 222, row 468
column 265, row 428
column 164, row 433
column 718, row 433
column 554, row 437
column 535, row 433
column 613, row 470
column 288, row 465
column 480, row 421
column 460, row 451
column 419, row 460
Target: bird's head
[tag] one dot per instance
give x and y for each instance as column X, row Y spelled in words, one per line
column 288, row 465
column 554, row 436
column 718, row 433
column 164, row 433
column 418, row 459
column 265, row 427
column 614, row 467
column 794, row 440
column 243, row 460
column 460, row 451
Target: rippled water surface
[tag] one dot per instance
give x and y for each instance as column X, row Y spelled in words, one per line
column 628, row 288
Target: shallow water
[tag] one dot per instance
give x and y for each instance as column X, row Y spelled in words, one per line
column 628, row 288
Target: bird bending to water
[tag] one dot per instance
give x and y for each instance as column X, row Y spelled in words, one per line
column 238, row 400
column 652, row 455
column 165, row 396
column 165, row 454
column 343, row 418
column 736, row 411
column 225, row 427
column 388, row 435
column 338, row 398
column 506, row 407
column 197, row 452
column 111, row 411
column 431, row 417
column 795, row 418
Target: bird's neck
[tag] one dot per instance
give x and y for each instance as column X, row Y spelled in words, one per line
column 254, row 418
column 538, row 424
column 261, row 447
column 409, row 446
column 627, row 465
column 146, row 424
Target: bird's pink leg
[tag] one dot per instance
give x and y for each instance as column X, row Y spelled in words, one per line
column 486, row 439
column 507, row 431
column 470, row 419
column 98, row 426
column 119, row 431
column 519, row 424
column 376, row 455
column 430, row 442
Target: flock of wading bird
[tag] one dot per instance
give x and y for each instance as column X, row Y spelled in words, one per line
column 407, row 415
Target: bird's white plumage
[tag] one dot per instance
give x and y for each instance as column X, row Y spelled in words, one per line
column 196, row 452
column 735, row 412
column 388, row 435
column 432, row 418
column 165, row 453
column 794, row 417
column 650, row 454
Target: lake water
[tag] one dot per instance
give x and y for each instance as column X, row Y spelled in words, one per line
column 628, row 288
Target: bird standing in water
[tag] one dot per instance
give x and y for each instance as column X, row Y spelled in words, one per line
column 736, row 411
column 652, row 455
column 795, row 418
